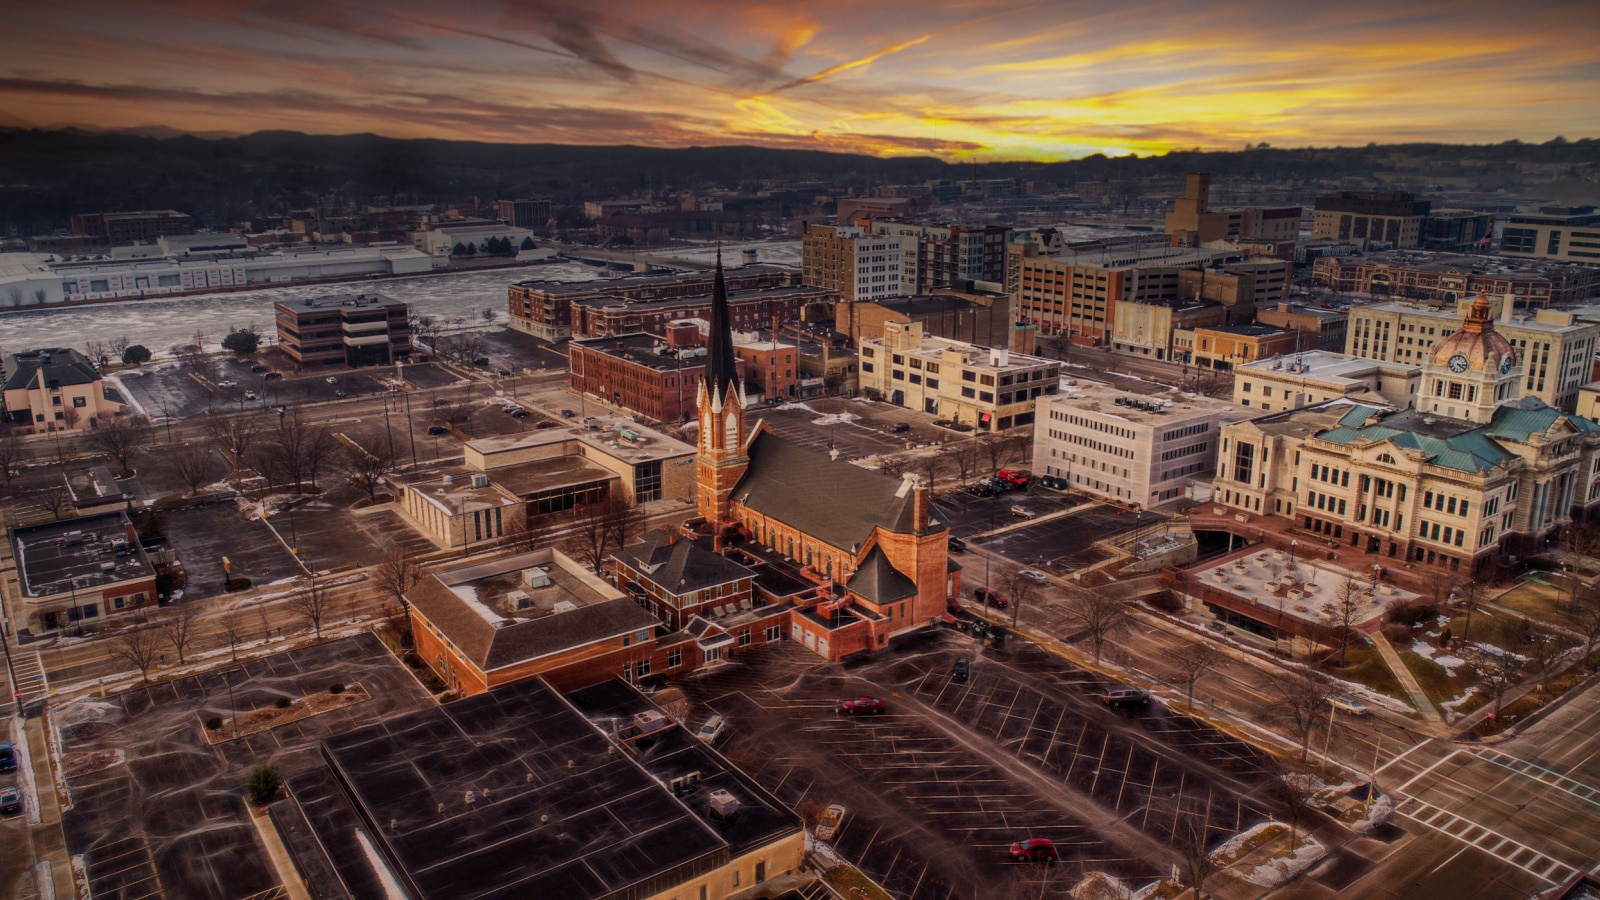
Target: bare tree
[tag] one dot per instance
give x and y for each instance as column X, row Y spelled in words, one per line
column 1300, row 704
column 1022, row 590
column 193, row 464
column 963, row 455
column 365, row 463
column 892, row 466
column 525, row 534
column 1468, row 598
column 177, row 626
column 138, row 646
column 54, row 496
column 1098, row 616
column 1294, row 791
column 12, row 454
column 397, row 574
column 1193, row 662
column 234, row 435
column 119, row 345
column 312, row 604
column 1496, row 674
column 232, row 626
column 930, row 467
column 1000, row 449
column 602, row 527
column 119, row 437
column 297, row 450
column 1191, row 833
column 1544, row 648
column 1346, row 604
column 1583, row 612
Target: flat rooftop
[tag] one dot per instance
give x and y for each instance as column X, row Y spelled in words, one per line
column 520, row 793
column 1174, row 406
column 610, row 436
column 1323, row 365
column 543, row 475
column 77, row 553
column 686, row 301
column 342, row 301
column 1281, row 584
column 631, row 283
column 1512, row 268
column 1309, row 420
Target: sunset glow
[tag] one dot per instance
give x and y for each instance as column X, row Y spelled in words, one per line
column 954, row 79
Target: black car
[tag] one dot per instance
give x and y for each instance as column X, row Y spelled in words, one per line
column 438, row 430
column 961, row 670
column 900, row 428
column 957, row 545
column 10, row 801
column 258, row 367
column 517, row 413
column 272, row 376
column 8, row 758
column 567, row 413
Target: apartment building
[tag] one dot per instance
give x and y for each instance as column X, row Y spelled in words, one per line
column 948, row 256
column 1129, row 449
column 1076, row 293
column 989, row 389
column 975, row 317
column 558, row 310
column 1447, row 278
column 1192, row 223
column 55, row 389
column 1569, row 233
column 771, row 365
column 1317, row 376
column 143, row 227
column 850, row 261
column 344, row 330
column 1394, row 217
column 1555, row 348
column 1457, row 231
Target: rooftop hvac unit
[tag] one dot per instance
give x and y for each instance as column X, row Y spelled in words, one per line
column 723, row 804
column 535, row 578
column 563, row 606
column 480, row 481
column 108, row 567
column 519, row 599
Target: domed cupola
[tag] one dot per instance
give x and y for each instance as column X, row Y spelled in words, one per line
column 1477, row 347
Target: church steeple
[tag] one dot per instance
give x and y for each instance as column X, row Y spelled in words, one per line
column 720, row 368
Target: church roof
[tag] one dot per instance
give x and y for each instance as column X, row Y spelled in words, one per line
column 878, row 581
column 835, row 501
column 679, row 567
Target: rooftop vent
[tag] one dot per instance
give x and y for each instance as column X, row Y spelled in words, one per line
column 723, row 804
column 535, row 578
column 519, row 599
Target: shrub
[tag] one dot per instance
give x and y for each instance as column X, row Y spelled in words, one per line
column 283, row 703
column 336, row 688
column 1412, row 616
column 236, row 584
column 265, row 782
column 1444, row 637
column 214, row 723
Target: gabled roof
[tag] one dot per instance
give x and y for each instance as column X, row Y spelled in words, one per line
column 835, row 501
column 61, row 366
column 1520, row 421
column 1449, row 443
column 878, row 581
column 681, row 567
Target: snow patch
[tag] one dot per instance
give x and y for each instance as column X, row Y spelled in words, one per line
column 1284, row 869
column 836, row 419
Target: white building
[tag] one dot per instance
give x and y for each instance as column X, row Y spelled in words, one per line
column 442, row 241
column 860, row 266
column 1127, row 448
column 1316, row 376
column 989, row 389
column 128, row 279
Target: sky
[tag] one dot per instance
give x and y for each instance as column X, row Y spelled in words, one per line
column 957, row 79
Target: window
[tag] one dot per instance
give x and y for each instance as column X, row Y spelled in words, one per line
column 641, row 668
column 79, row 402
column 773, row 633
column 744, row 637
column 674, row 658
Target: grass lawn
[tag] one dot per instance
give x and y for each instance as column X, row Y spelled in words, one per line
column 1364, row 666
column 1436, row 681
column 1541, row 602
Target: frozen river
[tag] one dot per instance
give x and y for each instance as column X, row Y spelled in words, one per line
column 161, row 324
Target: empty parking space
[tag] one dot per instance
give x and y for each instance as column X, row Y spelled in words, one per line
column 938, row 788
column 203, row 534
column 1067, row 543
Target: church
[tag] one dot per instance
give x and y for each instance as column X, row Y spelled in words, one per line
column 1466, row 475
column 847, row 556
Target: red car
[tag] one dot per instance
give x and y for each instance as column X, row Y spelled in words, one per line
column 990, row 598
column 861, row 705
column 1010, row 477
column 1034, row 850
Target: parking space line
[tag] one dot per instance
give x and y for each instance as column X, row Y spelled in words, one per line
column 1407, row 753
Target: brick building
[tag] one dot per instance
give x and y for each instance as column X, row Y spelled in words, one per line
column 639, row 372
column 1450, row 278
column 1394, row 217
column 556, row 311
column 80, row 570
column 141, row 227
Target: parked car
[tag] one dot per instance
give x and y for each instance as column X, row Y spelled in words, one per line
column 860, row 705
column 828, row 825
column 10, row 801
column 437, row 430
column 545, row 423
column 1034, row 575
column 225, row 383
column 961, row 671
column 332, row 379
column 900, row 428
column 712, row 729
column 990, row 598
column 8, row 758
column 1347, row 704
column 258, row 367
column 957, row 545
column 1010, row 477
column 250, row 395
column 1034, row 850
column 1126, row 696
column 567, row 413
column 340, row 394
column 272, row 376
column 1022, row 512
column 516, row 412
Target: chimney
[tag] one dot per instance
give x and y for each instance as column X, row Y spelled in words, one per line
column 919, row 508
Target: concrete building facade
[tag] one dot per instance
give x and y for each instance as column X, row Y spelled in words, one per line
column 344, row 330
column 989, row 389
column 546, row 309
column 948, row 257
column 1569, row 233
column 856, row 264
column 1449, row 278
column 1393, row 217
column 55, row 389
column 1317, row 376
column 1192, row 222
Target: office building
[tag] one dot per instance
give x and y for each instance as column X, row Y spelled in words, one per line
column 1317, row 376
column 1319, row 328
column 1570, row 233
column 528, row 214
column 950, row 257
column 1076, row 293
column 639, row 372
column 1231, row 346
column 1192, row 222
column 1457, row 231
column 1393, row 217
column 133, row 278
column 442, row 241
column 55, row 389
column 1448, row 278
column 1129, row 449
column 990, row 389
column 850, row 261
column 976, row 317
column 117, row 228
column 344, row 330
column 1555, row 347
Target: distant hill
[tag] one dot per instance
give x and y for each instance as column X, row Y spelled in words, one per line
column 45, row 176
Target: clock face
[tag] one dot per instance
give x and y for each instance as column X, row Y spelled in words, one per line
column 1505, row 364
column 1458, row 363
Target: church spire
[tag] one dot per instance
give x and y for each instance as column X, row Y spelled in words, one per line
column 720, row 368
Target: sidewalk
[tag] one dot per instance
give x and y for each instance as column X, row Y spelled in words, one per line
column 1419, row 698
column 49, row 841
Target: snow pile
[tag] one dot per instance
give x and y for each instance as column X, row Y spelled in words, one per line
column 1379, row 811
column 1101, row 886
column 1429, row 652
column 800, row 406
column 85, row 710
column 1282, row 869
column 836, row 419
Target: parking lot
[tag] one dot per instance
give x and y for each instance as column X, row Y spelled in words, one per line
column 169, row 390
column 938, row 788
column 1067, row 544
column 158, row 812
column 857, row 429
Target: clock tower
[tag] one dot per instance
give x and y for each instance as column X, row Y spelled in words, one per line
column 1472, row 371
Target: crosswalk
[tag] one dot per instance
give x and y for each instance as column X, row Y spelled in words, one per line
column 1540, row 773
column 1486, row 839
